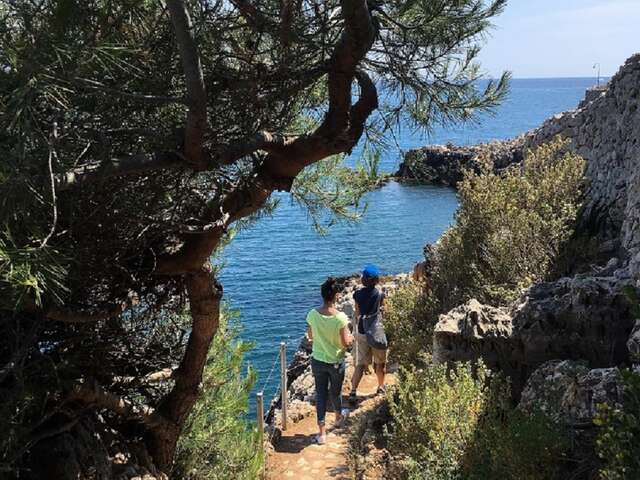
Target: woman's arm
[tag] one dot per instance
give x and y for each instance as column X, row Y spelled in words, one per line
column 309, row 333
column 345, row 337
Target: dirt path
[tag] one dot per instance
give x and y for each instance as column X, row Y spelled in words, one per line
column 297, row 456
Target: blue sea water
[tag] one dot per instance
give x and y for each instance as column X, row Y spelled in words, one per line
column 273, row 270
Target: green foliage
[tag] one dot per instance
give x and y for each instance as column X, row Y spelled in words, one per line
column 29, row 273
column 517, row 446
column 509, row 230
column 331, row 192
column 435, row 416
column 431, row 99
column 458, row 424
column 509, row 227
column 217, row 444
column 632, row 294
column 618, row 442
column 25, row 390
column 407, row 320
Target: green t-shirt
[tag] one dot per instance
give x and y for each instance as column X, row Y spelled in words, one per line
column 327, row 346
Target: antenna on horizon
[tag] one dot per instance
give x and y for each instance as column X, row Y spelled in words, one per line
column 597, row 65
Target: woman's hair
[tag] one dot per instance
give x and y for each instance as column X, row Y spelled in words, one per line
column 330, row 288
column 370, row 281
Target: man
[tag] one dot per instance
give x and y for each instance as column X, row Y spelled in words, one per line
column 369, row 302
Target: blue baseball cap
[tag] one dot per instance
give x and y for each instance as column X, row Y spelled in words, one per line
column 370, row 271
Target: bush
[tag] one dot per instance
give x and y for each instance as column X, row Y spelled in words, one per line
column 618, row 442
column 512, row 445
column 509, row 227
column 435, row 415
column 217, row 444
column 459, row 424
column 508, row 233
column 407, row 319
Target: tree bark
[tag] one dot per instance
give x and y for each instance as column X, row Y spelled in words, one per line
column 204, row 294
column 194, row 79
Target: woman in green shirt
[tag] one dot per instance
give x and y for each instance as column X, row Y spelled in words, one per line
column 330, row 335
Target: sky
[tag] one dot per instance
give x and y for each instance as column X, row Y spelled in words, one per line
column 562, row 38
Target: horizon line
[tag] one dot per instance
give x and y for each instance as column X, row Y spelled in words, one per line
column 602, row 77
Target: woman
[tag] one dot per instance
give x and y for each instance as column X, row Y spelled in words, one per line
column 369, row 302
column 329, row 332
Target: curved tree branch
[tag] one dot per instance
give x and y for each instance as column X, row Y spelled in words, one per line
column 339, row 132
column 90, row 392
column 148, row 163
column 194, row 79
column 132, row 165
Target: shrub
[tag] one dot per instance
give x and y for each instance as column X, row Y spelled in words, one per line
column 407, row 318
column 509, row 227
column 217, row 444
column 512, row 445
column 509, row 230
column 459, row 424
column 618, row 442
column 435, row 415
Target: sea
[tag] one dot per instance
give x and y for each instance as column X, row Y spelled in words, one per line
column 273, row 270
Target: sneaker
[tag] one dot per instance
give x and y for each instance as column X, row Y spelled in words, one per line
column 321, row 439
column 352, row 398
column 344, row 416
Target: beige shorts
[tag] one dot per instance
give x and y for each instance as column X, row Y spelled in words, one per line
column 365, row 354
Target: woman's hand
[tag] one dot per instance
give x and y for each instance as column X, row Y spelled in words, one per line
column 345, row 337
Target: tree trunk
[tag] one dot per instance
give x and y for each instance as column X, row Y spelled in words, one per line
column 204, row 294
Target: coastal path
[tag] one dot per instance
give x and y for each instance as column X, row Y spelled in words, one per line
column 297, row 456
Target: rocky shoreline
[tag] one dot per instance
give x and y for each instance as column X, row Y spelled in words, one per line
column 301, row 387
column 446, row 164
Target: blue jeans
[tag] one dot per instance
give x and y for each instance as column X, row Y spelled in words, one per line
column 329, row 378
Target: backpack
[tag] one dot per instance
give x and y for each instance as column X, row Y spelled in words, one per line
column 374, row 330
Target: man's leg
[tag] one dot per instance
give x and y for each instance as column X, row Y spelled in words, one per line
column 380, row 369
column 380, row 366
column 363, row 358
column 357, row 376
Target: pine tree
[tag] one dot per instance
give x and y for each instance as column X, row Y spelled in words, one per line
column 136, row 135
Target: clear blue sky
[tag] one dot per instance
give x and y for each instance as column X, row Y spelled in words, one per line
column 562, row 38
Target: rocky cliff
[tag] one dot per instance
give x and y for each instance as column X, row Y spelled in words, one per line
column 585, row 317
column 604, row 129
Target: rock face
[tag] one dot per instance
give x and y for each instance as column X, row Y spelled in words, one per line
column 585, row 316
column 606, row 132
column 569, row 392
column 470, row 330
column 581, row 317
column 446, row 164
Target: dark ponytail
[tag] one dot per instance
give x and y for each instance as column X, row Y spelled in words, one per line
column 330, row 288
